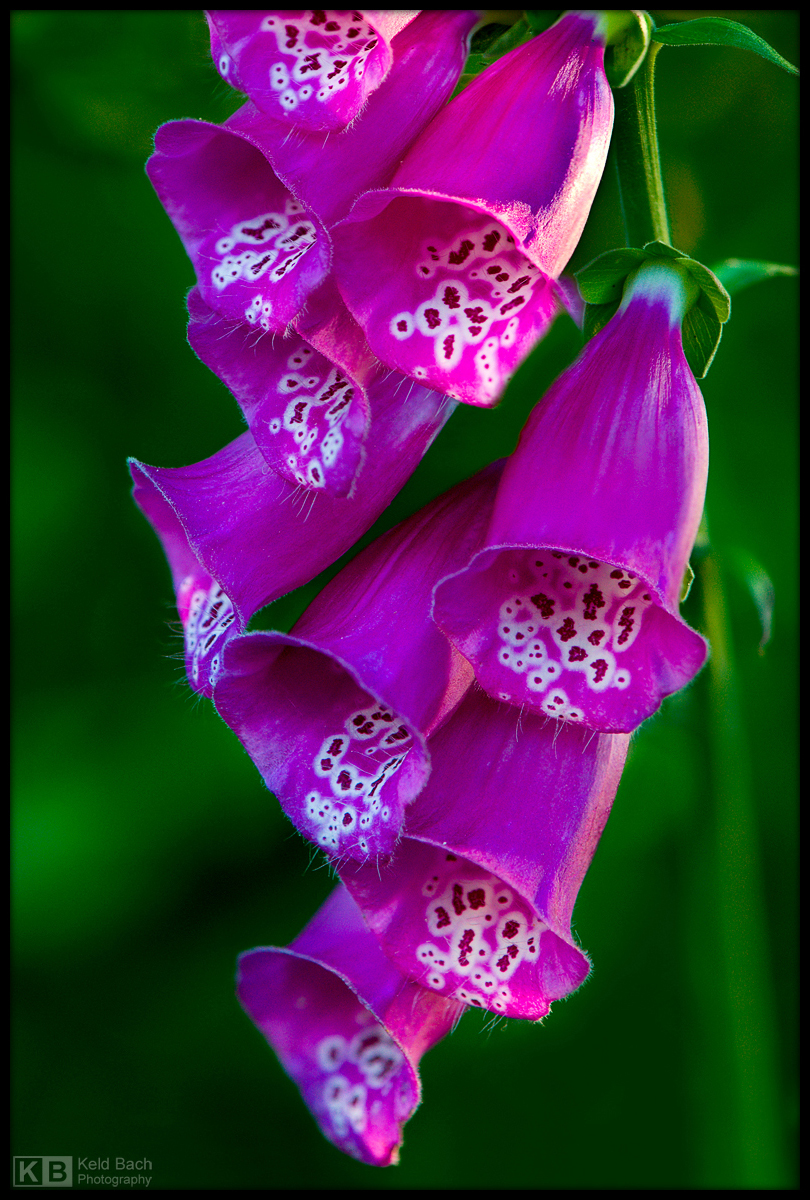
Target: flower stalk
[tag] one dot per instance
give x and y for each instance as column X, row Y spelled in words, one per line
column 635, row 153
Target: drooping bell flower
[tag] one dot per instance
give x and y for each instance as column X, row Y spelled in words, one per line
column 245, row 196
column 347, row 1028
column 336, row 713
column 314, row 68
column 571, row 609
column 476, row 903
column 238, row 536
column 305, row 397
column 450, row 270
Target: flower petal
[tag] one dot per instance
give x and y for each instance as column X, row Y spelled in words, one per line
column 477, row 901
column 256, row 251
column 313, row 69
column 327, row 174
column 572, row 607
column 233, row 522
column 449, row 270
column 347, row 1028
column 304, row 398
column 335, row 714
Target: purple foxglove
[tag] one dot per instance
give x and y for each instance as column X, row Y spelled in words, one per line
column 477, row 901
column 257, row 253
column 335, row 714
column 347, row 1028
column 328, row 174
column 305, row 398
column 238, row 536
column 244, row 196
column 571, row 609
column 450, row 270
column 315, row 68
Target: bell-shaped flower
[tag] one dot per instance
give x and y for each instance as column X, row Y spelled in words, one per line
column 251, row 198
column 450, row 269
column 571, row 609
column 238, row 536
column 347, row 1028
column 315, row 68
column 476, row 903
column 336, row 714
column 305, row 398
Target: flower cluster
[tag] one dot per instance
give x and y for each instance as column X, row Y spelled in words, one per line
column 449, row 719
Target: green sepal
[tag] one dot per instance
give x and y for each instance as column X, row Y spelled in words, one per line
column 738, row 273
column 686, row 583
column 718, row 31
column 628, row 40
column 759, row 586
column 601, row 284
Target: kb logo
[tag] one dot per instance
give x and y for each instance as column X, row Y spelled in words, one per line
column 46, row 1171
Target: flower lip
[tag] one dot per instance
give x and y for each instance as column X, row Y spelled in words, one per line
column 567, row 635
column 477, row 902
column 343, row 763
column 346, row 1026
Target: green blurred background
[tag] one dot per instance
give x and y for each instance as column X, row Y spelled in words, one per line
column 147, row 851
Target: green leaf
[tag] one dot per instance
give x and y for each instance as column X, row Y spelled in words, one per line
column 717, row 31
column 597, row 316
column 760, row 587
column 600, row 282
column 738, row 273
column 627, row 44
column 701, row 336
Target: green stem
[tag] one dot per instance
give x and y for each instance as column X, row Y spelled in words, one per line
column 635, row 152
column 745, row 970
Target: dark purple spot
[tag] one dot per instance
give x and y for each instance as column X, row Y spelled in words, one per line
column 592, row 600
column 545, row 605
column 444, row 917
column 347, row 818
column 567, row 630
column 432, row 317
column 577, row 654
column 503, row 963
column 491, row 240
column 451, row 298
column 617, row 574
column 599, row 670
column 596, row 637
column 344, row 781
column 626, row 624
column 477, row 898
column 458, row 899
column 402, row 326
column 463, row 252
column 512, row 304
column 448, row 344
column 464, row 947
column 511, row 929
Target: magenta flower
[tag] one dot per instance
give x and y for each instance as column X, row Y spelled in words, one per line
column 450, row 270
column 313, row 69
column 305, row 398
column 336, row 714
column 245, row 196
column 347, row 1028
column 477, row 901
column 238, row 536
column 571, row 609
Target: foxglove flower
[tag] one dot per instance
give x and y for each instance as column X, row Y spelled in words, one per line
column 313, row 69
column 571, row 609
column 305, row 398
column 238, row 536
column 450, row 270
column 336, row 714
column 244, row 196
column 477, row 902
column 347, row 1028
